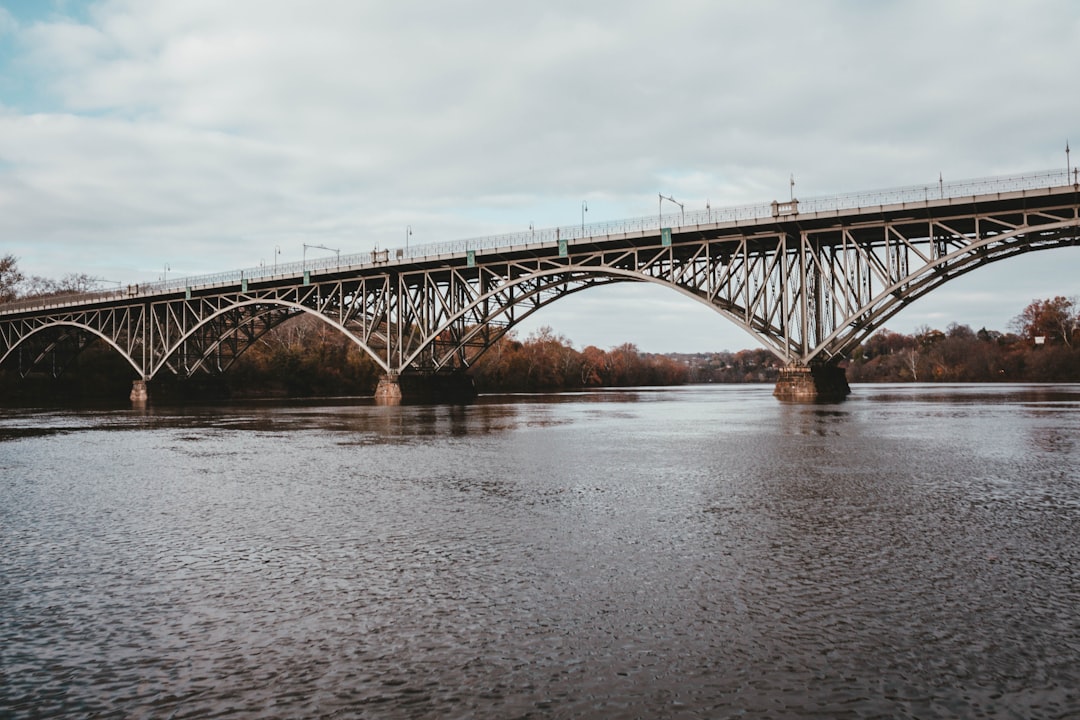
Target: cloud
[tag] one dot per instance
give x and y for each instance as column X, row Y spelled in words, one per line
column 205, row 133
column 8, row 24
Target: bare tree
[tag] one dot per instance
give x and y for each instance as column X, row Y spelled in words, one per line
column 10, row 278
column 912, row 359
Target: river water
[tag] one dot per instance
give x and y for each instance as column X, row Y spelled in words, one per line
column 698, row 552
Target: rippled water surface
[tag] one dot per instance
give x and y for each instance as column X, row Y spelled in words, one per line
column 699, row 552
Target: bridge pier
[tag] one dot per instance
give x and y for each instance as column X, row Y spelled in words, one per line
column 388, row 391
column 812, row 383
column 140, row 392
column 425, row 387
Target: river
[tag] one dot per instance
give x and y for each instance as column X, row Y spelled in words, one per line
column 697, row 552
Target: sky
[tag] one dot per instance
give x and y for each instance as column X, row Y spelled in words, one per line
column 141, row 138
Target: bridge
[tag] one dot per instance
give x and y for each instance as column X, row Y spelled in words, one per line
column 808, row 279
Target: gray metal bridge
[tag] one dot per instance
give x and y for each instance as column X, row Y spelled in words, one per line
column 809, row 279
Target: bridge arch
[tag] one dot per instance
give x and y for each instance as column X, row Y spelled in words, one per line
column 82, row 327
column 548, row 286
column 927, row 270
column 214, row 342
column 977, row 254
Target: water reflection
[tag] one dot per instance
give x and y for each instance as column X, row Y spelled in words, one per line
column 697, row 552
column 814, row 419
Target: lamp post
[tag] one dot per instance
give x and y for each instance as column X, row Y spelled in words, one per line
column 408, row 232
column 321, row 247
column 682, row 208
column 584, row 209
column 277, row 251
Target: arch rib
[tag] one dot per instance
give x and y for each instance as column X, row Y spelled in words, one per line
column 79, row 326
column 185, row 337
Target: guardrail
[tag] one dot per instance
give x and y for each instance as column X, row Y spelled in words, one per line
column 851, row 201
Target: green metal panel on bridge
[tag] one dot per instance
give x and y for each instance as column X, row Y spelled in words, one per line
column 665, row 237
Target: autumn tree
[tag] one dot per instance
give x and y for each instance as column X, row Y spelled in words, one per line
column 961, row 355
column 503, row 361
column 1057, row 320
column 551, row 360
column 593, row 360
column 303, row 356
column 547, row 361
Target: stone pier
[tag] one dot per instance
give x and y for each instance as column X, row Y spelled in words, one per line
column 448, row 387
column 812, row 383
column 388, row 391
column 140, row 392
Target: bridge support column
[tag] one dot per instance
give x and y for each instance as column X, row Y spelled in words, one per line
column 140, row 392
column 812, row 383
column 447, row 387
column 388, row 391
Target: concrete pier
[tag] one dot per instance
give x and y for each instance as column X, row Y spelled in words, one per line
column 450, row 387
column 812, row 383
column 140, row 392
column 388, row 391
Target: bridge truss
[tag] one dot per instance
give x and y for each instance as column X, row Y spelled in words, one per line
column 808, row 285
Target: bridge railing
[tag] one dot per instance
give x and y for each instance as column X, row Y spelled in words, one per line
column 710, row 216
column 571, row 233
column 936, row 191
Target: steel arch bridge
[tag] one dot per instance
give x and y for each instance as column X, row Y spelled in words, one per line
column 809, row 280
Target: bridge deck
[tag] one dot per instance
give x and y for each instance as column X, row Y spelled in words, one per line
column 1025, row 192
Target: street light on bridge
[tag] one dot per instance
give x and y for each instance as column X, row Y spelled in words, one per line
column 408, row 232
column 682, row 209
column 584, row 209
column 321, row 247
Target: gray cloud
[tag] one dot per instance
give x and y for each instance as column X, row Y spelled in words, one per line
column 203, row 134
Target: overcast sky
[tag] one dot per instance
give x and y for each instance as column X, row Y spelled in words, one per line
column 202, row 135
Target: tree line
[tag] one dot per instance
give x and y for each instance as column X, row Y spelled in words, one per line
column 304, row 356
column 14, row 284
column 1043, row 345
